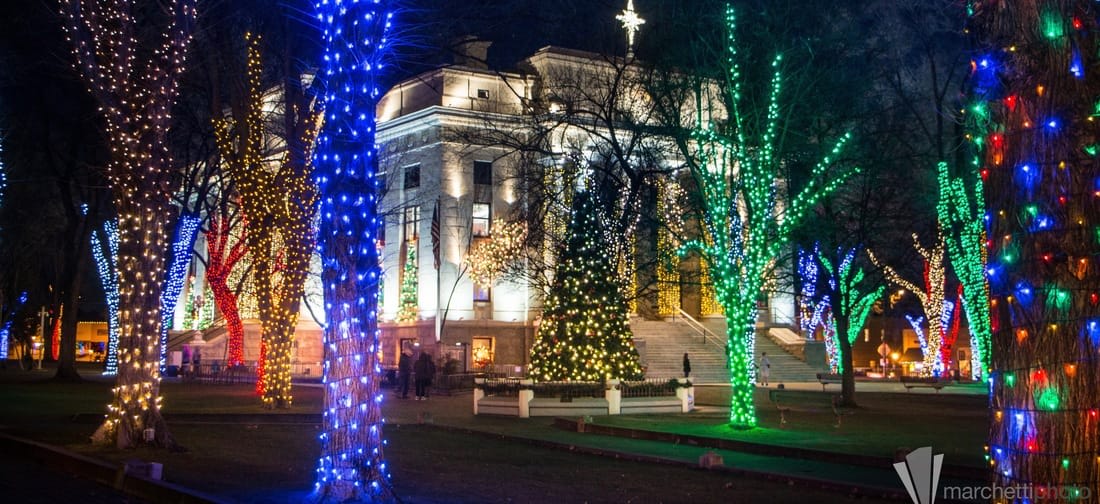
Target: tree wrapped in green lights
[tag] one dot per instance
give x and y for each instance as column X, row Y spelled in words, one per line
column 585, row 333
column 736, row 168
column 961, row 210
column 851, row 302
column 1031, row 117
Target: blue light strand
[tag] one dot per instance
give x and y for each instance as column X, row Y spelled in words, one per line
column 5, row 330
column 351, row 466
column 107, row 266
column 183, row 241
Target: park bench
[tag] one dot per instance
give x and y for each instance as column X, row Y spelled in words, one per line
column 911, row 382
column 829, row 379
column 786, row 401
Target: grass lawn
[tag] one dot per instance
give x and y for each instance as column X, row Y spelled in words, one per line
column 268, row 459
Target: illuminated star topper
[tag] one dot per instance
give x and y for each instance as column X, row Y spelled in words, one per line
column 631, row 23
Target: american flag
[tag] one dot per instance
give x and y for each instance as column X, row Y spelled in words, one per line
column 435, row 233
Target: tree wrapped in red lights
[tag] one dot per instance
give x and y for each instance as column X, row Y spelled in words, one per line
column 1031, row 118
column 220, row 261
column 135, row 97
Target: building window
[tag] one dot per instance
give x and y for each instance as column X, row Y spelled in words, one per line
column 481, row 216
column 412, row 221
column 483, row 173
column 412, row 177
column 482, row 293
column 483, row 94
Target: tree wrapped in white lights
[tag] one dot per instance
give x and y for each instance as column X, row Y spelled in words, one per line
column 355, row 37
column 135, row 97
column 744, row 226
column 933, row 300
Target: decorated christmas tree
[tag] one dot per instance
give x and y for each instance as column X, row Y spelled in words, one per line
column 1032, row 121
column 585, row 334
column 408, row 297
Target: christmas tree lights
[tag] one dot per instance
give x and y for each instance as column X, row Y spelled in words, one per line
column 490, row 258
column 933, row 300
column 961, row 210
column 408, row 299
column 135, row 97
column 668, row 262
column 1035, row 65
column 105, row 253
column 585, row 331
column 745, row 228
column 352, row 465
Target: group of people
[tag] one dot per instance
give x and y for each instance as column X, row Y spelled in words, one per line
column 763, row 367
column 423, row 370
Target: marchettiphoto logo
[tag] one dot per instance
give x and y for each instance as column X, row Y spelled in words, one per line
column 920, row 473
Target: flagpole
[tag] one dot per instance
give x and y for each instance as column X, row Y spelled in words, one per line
column 436, row 246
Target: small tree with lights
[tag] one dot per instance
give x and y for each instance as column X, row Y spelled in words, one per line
column 585, row 333
column 735, row 169
column 852, row 300
column 409, row 302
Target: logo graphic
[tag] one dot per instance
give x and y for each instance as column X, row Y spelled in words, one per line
column 920, row 473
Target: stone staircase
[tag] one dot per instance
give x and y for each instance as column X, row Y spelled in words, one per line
column 662, row 345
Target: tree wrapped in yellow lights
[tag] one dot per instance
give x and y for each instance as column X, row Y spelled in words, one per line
column 135, row 97
column 279, row 204
column 585, row 333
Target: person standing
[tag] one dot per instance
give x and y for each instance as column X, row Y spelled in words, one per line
column 687, row 365
column 765, row 368
column 425, row 372
column 404, row 369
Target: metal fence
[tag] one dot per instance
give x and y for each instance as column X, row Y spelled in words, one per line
column 650, row 387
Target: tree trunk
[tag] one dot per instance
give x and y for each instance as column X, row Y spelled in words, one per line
column 847, row 371
column 740, row 350
column 136, row 405
column 227, row 304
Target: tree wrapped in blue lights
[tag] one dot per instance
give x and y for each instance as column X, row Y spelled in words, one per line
column 356, row 41
column 186, row 231
column 1031, row 119
column 105, row 253
column 736, row 170
column 585, row 332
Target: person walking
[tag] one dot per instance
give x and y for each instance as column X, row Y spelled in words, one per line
column 687, row 365
column 765, row 367
column 425, row 372
column 404, row 369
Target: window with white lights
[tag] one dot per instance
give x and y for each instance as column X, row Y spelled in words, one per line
column 481, row 218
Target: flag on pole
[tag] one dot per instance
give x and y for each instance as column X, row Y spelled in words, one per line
column 435, row 233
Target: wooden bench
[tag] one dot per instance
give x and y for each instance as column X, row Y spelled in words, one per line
column 786, row 401
column 911, row 382
column 829, row 379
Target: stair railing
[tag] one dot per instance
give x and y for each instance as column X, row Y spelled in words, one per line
column 708, row 335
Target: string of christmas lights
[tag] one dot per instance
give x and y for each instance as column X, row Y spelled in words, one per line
column 489, row 259
column 5, row 330
column 1031, row 121
column 743, row 226
column 179, row 262
column 853, row 302
column 221, row 258
column 408, row 299
column 356, row 40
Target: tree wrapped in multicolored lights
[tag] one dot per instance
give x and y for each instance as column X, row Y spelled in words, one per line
column 585, row 332
column 356, row 38
column 279, row 204
column 736, row 169
column 1031, row 117
column 961, row 210
column 135, row 96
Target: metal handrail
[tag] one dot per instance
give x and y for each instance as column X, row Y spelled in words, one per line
column 698, row 327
